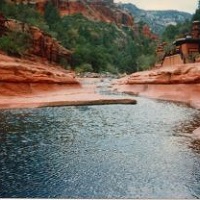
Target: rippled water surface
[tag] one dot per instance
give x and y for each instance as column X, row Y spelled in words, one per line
column 113, row 151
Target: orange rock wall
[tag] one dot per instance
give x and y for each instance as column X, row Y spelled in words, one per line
column 146, row 30
column 15, row 70
column 93, row 10
column 176, row 74
column 172, row 60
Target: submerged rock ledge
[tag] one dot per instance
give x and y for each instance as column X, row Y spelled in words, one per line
column 183, row 93
column 34, row 95
column 52, row 103
column 104, row 101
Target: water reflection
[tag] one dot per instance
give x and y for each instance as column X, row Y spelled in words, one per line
column 188, row 126
column 185, row 129
column 195, row 146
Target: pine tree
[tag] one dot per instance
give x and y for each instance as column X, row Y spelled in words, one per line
column 196, row 16
column 51, row 14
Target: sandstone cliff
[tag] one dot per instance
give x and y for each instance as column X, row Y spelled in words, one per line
column 15, row 70
column 42, row 44
column 19, row 77
column 178, row 74
column 100, row 10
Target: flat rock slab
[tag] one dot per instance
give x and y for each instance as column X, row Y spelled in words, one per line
column 51, row 103
column 93, row 102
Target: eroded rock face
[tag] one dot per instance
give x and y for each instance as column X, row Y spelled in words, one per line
column 101, row 10
column 45, row 46
column 178, row 74
column 97, row 11
column 20, row 76
column 14, row 70
column 94, row 10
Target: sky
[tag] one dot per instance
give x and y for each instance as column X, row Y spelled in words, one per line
column 181, row 5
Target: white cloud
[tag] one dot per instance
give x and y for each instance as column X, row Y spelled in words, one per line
column 181, row 5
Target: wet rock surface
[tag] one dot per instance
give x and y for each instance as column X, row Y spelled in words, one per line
column 180, row 83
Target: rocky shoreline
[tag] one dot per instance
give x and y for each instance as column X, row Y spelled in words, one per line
column 179, row 83
column 183, row 93
column 188, row 94
column 36, row 95
column 31, row 84
column 25, row 84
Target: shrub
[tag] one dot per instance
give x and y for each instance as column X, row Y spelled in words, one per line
column 145, row 62
column 86, row 67
column 15, row 43
column 64, row 63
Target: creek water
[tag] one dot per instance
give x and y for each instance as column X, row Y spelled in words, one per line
column 110, row 151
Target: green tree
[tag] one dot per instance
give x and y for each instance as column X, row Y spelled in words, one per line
column 2, row 4
column 24, row 13
column 170, row 33
column 145, row 62
column 196, row 16
column 51, row 15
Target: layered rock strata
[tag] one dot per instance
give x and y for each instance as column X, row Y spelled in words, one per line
column 25, row 71
column 20, row 76
column 178, row 74
column 97, row 11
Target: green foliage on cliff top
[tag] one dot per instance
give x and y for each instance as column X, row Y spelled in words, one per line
column 98, row 44
column 24, row 13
